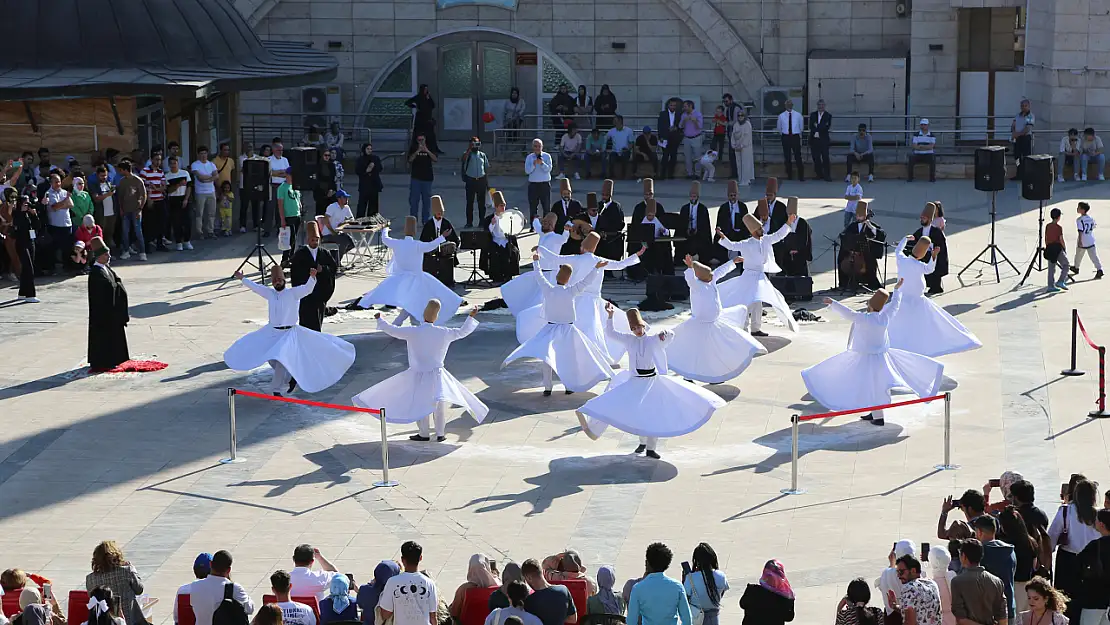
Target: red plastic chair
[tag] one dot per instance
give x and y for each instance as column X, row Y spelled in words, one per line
column 475, row 607
column 77, row 611
column 310, row 601
column 10, row 604
column 185, row 614
column 579, row 593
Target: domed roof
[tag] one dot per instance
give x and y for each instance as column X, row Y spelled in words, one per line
column 85, row 48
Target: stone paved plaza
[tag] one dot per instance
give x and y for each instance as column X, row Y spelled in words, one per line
column 133, row 457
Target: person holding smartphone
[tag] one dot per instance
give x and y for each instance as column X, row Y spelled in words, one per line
column 705, row 585
column 421, row 160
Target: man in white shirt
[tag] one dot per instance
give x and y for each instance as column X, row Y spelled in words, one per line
column 202, row 567
column 278, row 165
column 304, row 580
column 854, row 193
column 538, row 167
column 204, row 193
column 622, row 138
column 337, row 213
column 790, row 130
column 924, row 146
column 1070, row 150
column 1092, row 151
column 292, row 612
column 205, row 595
column 410, row 598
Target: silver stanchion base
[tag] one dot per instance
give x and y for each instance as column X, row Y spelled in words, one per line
column 389, row 484
column 1072, row 372
column 946, row 467
column 232, row 460
column 792, row 491
column 1098, row 414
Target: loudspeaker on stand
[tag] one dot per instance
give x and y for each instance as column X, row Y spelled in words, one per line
column 304, row 163
column 1037, row 179
column 990, row 168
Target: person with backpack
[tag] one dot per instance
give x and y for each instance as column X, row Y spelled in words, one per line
column 217, row 600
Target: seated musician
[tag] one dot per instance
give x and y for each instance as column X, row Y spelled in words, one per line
column 441, row 262
column 609, row 224
column 863, row 243
column 645, row 227
column 696, row 229
column 794, row 253
column 337, row 214
column 501, row 255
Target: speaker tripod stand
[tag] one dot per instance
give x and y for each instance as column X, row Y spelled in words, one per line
column 260, row 250
column 1037, row 262
column 992, row 247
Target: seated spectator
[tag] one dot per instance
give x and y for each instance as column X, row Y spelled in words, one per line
column 421, row 600
column 889, row 581
column 304, row 580
column 771, row 601
column 206, row 594
column 336, row 214
column 478, row 575
column 35, row 611
column 853, row 608
column 1046, row 604
column 1094, row 562
column 571, row 147
column 595, row 152
column 268, row 614
column 337, row 606
column 14, row 580
column 567, row 565
column 861, row 149
column 500, row 599
column 1070, row 152
column 658, row 598
column 939, row 561
column 705, row 585
column 104, row 607
column 552, row 604
column 924, row 151
column 977, row 595
column 1092, row 150
column 622, row 139
column 971, row 503
column 605, row 601
column 111, row 569
column 644, row 151
column 518, row 592
column 202, row 566
column 292, row 612
column 369, row 593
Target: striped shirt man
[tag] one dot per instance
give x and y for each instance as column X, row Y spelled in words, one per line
column 155, row 180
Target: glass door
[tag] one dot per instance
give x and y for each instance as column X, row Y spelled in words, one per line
column 497, row 81
column 151, row 128
column 457, row 85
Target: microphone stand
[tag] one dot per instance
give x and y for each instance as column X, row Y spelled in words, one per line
column 885, row 255
column 836, row 255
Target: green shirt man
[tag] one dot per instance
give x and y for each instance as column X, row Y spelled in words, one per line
column 290, row 200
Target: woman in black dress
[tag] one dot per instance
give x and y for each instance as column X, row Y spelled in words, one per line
column 327, row 182
column 25, row 223
column 605, row 105
column 369, row 170
column 771, row 601
column 424, row 120
column 561, row 105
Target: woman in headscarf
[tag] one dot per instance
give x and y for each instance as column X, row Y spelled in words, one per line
column 705, row 585
column 567, row 565
column 606, row 601
column 369, row 593
column 509, row 574
column 853, row 608
column 771, row 601
column 741, row 142
column 337, row 606
column 513, row 115
column 34, row 611
column 423, row 120
column 583, row 108
column 478, row 575
column 605, row 105
column 562, row 104
column 939, row 560
column 888, row 579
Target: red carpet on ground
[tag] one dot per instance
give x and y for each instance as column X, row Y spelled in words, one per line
column 134, row 366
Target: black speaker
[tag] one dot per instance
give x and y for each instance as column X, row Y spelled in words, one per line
column 256, row 179
column 990, row 168
column 794, row 288
column 1037, row 177
column 661, row 288
column 304, row 163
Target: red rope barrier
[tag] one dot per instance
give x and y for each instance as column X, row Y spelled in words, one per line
column 1086, row 336
column 305, row 402
column 826, row 415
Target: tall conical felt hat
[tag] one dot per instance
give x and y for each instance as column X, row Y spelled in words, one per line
column 634, row 317
column 564, row 273
column 410, row 226
column 437, row 203
column 921, row 247
column 791, row 206
column 591, row 200
column 695, row 188
column 650, row 206
column 607, row 188
column 704, row 273
column 861, row 209
column 773, row 186
column 878, row 300
column 564, row 185
column 761, row 209
column 752, row 224
column 649, row 186
column 590, row 241
column 498, row 198
column 96, row 247
column 929, row 211
column 431, row 311
column 733, row 188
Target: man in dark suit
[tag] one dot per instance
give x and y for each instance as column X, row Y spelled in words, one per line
column 670, row 130
column 566, row 206
column 820, row 123
column 305, row 259
column 108, row 314
column 730, row 219
column 936, row 235
column 610, row 224
column 441, row 262
column 658, row 256
column 696, row 229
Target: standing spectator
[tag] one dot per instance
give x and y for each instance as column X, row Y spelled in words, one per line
column 369, row 593
column 421, row 160
column 279, row 164
column 1046, row 604
column 692, row 124
column 720, row 130
column 179, row 192
column 538, row 167
column 59, row 224
column 475, row 175
column 583, row 108
column 924, row 151
column 1072, row 530
column 552, row 604
column 771, row 601
column 1056, row 253
column 789, row 127
column 289, row 207
column 517, row 593
column 155, row 209
column 207, row 594
column 369, row 170
column 423, row 119
column 104, row 208
column 1070, row 152
column 670, row 136
column 327, row 182
column 225, row 172
column 226, row 207
column 977, row 595
column 644, row 150
column 1023, row 495
column 1093, row 150
column 890, row 582
column 605, row 601
column 853, row 194
column 478, row 575
column 292, row 612
column 605, row 105
column 657, row 598
column 561, row 108
column 333, row 140
column 861, row 150
column 705, row 585
column 595, row 152
column 740, row 149
column 919, row 601
column 939, row 561
column 513, row 116
column 416, row 607
column 853, row 608
column 570, row 151
column 202, row 567
column 204, row 174
column 820, row 127
column 623, row 140
column 732, row 109
column 1012, row 526
column 998, row 557
column 83, row 203
column 246, row 204
column 132, row 197
column 339, row 171
column 306, row 581
column 1021, row 132
column 1085, row 243
column 25, row 225
column 1094, row 562
column 111, row 569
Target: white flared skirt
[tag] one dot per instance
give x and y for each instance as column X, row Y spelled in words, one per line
column 713, row 351
column 316, row 360
column 856, row 380
column 660, row 406
column 575, row 359
column 411, row 291
column 753, row 286
column 412, row 395
column 922, row 327
column 589, row 317
column 522, row 292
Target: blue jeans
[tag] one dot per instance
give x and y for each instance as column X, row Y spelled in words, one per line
column 420, row 199
column 1086, row 158
column 133, row 222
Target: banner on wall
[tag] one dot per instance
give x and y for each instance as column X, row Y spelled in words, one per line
column 501, row 4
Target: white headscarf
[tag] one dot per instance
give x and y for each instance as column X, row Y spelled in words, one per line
column 888, row 580
column 479, row 573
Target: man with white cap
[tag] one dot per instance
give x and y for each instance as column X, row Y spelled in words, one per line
column 924, row 151
column 337, row 214
column 752, row 288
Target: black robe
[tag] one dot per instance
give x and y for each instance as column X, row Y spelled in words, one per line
column 657, row 259
column 440, row 265
column 700, row 243
column 800, row 242
column 871, row 245
column 108, row 319
column 734, row 230
column 778, row 215
column 499, row 263
column 610, row 225
column 573, row 208
column 937, row 237
column 573, row 246
column 312, row 305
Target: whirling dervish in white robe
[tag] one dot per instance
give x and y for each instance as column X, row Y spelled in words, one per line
column 752, row 288
column 426, row 387
column 712, row 345
column 644, row 400
column 921, row 326
column 523, row 291
column 866, row 373
column 314, row 359
column 407, row 286
column 562, row 347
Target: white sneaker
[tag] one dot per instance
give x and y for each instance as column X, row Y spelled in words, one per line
column 1075, row 178
column 188, row 245
column 1059, row 178
column 179, row 247
column 1102, row 176
column 870, row 178
column 31, row 300
column 1084, row 177
column 576, row 176
column 242, row 230
column 560, row 177
column 125, row 255
column 166, row 241
column 142, row 256
column 710, row 180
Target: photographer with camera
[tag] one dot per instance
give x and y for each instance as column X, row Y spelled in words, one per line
column 421, row 175
column 971, row 503
column 475, row 169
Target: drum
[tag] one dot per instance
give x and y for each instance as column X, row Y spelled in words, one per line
column 448, row 249
column 511, row 222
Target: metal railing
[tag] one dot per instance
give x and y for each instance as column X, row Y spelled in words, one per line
column 261, row 128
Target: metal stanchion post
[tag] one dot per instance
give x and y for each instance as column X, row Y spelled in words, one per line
column 234, row 458
column 385, row 481
column 1072, row 371
column 1101, row 412
column 793, row 490
column 947, row 466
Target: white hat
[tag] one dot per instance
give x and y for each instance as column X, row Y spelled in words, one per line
column 924, row 122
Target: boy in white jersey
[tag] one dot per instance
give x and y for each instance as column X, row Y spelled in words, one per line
column 1085, row 244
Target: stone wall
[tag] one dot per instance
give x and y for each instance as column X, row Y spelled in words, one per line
column 1068, row 62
